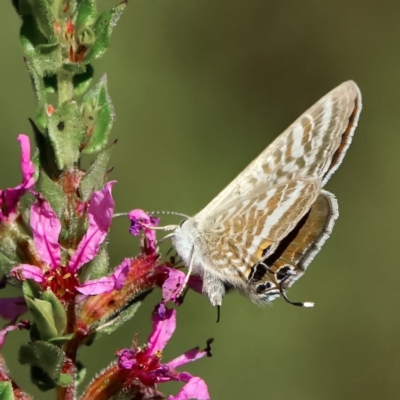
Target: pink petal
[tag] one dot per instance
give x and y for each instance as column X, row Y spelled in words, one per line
column 28, row 170
column 196, row 388
column 46, row 229
column 8, row 328
column 27, row 271
column 12, row 195
column 120, row 273
column 189, row 356
column 173, row 284
column 100, row 214
column 163, row 329
column 12, row 308
column 184, row 376
column 106, row 284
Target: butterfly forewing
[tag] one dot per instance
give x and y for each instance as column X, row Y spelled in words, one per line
column 312, row 147
column 238, row 235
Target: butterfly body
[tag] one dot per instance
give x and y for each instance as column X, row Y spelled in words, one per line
column 261, row 232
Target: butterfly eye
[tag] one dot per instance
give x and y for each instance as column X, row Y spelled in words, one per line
column 182, row 222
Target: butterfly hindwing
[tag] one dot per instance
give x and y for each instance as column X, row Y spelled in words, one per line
column 294, row 253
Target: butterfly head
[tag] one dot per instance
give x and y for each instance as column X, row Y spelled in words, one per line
column 184, row 237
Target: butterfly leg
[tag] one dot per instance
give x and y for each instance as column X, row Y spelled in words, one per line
column 214, row 288
column 190, row 269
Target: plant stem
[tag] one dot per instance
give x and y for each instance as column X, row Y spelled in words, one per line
column 65, row 86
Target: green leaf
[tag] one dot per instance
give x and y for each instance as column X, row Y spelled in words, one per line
column 42, row 313
column 31, row 289
column 36, row 165
column 8, row 252
column 6, row 263
column 41, row 379
column 24, row 206
column 59, row 341
column 42, row 13
column 40, row 91
column 103, row 29
column 82, row 81
column 66, row 132
column 64, row 380
column 37, row 82
column 96, row 268
column 47, row 59
column 59, row 314
column 86, row 13
column 98, row 116
column 52, row 192
column 95, row 176
column 17, row 5
column 46, row 356
column 6, row 391
column 34, row 334
column 81, row 372
column 30, row 36
column 50, row 83
column 86, row 36
column 74, row 68
column 47, row 158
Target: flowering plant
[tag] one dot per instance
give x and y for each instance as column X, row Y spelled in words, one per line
column 54, row 227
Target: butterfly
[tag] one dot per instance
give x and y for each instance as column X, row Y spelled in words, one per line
column 261, row 232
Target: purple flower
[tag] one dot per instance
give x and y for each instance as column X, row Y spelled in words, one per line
column 12, row 308
column 144, row 363
column 60, row 277
column 140, row 221
column 9, row 198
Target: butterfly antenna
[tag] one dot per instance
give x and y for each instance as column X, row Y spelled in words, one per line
column 169, row 213
column 307, row 304
column 166, row 227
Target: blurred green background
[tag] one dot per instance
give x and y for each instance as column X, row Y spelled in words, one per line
column 200, row 88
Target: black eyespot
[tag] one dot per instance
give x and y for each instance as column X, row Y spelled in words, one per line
column 263, row 287
column 61, row 126
column 282, row 273
column 258, row 271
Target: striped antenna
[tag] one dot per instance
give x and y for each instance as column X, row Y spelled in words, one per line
column 161, row 228
column 155, row 212
column 169, row 213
